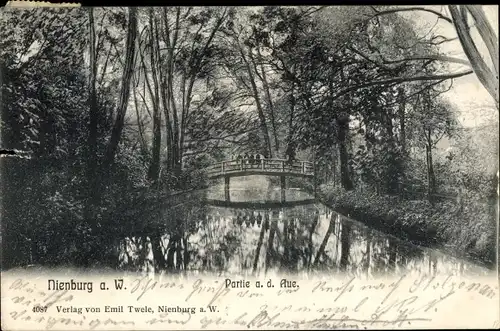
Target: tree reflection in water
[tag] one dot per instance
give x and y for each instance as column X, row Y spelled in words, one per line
column 304, row 239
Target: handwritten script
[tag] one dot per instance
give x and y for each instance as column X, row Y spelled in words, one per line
column 209, row 303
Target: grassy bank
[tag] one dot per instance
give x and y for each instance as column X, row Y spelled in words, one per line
column 466, row 229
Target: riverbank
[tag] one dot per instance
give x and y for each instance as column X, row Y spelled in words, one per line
column 466, row 230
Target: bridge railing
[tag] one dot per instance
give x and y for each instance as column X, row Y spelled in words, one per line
column 267, row 165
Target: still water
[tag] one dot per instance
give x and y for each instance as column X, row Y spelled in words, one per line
column 254, row 233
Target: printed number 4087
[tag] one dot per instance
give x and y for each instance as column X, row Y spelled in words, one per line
column 39, row 309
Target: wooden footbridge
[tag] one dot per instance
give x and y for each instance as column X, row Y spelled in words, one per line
column 269, row 167
column 266, row 167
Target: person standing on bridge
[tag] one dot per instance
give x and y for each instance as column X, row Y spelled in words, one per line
column 290, row 153
column 251, row 160
column 258, row 160
column 240, row 161
column 245, row 157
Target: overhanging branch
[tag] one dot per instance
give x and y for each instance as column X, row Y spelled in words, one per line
column 443, row 58
column 396, row 10
column 399, row 80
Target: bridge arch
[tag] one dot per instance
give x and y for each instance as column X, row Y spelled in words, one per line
column 266, row 167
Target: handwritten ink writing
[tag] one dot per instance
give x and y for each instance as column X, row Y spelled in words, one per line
column 146, row 284
column 165, row 319
column 353, row 303
column 199, row 288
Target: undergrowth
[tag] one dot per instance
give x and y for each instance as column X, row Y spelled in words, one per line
column 465, row 229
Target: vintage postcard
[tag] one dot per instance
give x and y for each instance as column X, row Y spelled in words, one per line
column 272, row 167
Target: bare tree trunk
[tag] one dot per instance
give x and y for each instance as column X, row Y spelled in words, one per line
column 345, row 178
column 270, row 254
column 93, row 181
column 270, row 104
column 170, row 251
column 487, row 77
column 402, row 119
column 431, row 177
column 402, row 141
column 335, row 167
column 285, row 259
column 178, row 254
column 393, row 170
column 310, row 246
column 345, row 244
column 488, row 35
column 154, row 166
column 140, row 126
column 142, row 245
column 293, row 259
column 342, row 121
column 125, row 88
column 93, row 173
column 329, row 231
column 289, row 138
column 158, row 255
column 258, row 104
column 257, row 251
column 165, row 85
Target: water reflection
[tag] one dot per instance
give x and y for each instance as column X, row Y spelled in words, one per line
column 307, row 239
column 253, row 239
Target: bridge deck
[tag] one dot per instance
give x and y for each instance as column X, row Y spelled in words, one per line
column 270, row 167
column 259, row 205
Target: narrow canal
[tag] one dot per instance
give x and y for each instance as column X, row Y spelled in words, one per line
column 255, row 234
